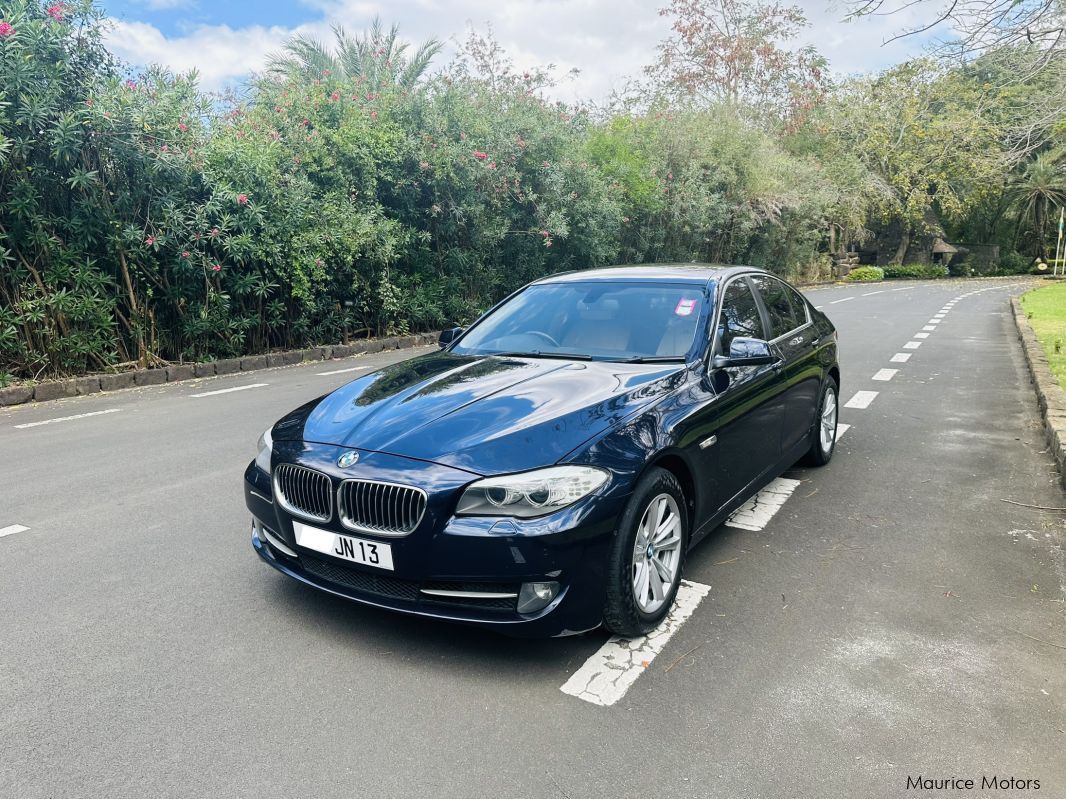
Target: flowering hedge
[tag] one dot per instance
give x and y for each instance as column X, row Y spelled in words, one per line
column 142, row 222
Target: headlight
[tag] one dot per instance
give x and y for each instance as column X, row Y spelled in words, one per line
column 531, row 493
column 266, row 446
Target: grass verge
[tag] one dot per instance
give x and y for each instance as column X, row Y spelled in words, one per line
column 1046, row 310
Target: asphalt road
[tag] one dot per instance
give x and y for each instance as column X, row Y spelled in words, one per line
column 895, row 617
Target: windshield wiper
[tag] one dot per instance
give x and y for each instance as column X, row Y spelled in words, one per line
column 568, row 356
column 653, row 359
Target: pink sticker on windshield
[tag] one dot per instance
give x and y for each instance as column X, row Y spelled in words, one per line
column 685, row 307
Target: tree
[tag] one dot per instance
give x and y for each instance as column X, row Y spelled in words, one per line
column 1040, row 186
column 377, row 59
column 735, row 52
column 925, row 133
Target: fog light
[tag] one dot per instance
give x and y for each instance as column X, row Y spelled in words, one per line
column 536, row 596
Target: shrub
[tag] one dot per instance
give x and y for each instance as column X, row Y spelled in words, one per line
column 915, row 271
column 1014, row 263
column 866, row 274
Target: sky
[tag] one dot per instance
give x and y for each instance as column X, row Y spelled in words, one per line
column 606, row 40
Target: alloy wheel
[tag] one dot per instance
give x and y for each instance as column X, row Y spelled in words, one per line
column 828, row 425
column 656, row 553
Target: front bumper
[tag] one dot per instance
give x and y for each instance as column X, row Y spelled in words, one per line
column 465, row 555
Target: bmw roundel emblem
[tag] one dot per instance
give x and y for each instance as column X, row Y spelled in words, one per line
column 348, row 459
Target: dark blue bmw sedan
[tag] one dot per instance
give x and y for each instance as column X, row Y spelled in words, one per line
column 549, row 468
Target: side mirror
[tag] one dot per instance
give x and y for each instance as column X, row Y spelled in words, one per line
column 448, row 336
column 745, row 352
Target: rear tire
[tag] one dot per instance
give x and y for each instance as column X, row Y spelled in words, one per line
column 824, row 434
column 647, row 556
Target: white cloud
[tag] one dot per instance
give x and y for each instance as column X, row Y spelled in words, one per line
column 607, row 40
column 167, row 5
column 221, row 54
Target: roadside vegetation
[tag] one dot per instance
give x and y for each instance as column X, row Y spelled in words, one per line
column 1045, row 308
column 360, row 186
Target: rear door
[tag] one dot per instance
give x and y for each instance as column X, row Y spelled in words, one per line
column 796, row 340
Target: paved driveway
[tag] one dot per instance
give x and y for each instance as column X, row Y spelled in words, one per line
column 888, row 616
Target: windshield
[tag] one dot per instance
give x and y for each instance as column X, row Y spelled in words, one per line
column 600, row 320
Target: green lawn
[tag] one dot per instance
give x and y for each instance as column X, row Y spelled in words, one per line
column 1046, row 309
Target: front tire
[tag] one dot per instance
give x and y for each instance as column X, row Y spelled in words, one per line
column 648, row 554
column 824, row 435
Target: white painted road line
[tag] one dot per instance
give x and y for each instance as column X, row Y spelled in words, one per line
column 912, row 345
column 757, row 512
column 885, row 374
column 229, row 390
column 921, row 335
column 900, row 357
column 11, row 529
column 872, row 293
column 842, row 429
column 862, row 399
column 66, row 418
column 929, row 328
column 605, row 677
column 834, row 302
column 342, row 371
column 936, row 320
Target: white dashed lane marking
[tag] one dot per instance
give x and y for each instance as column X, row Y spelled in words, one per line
column 900, row 357
column 885, row 374
column 757, row 512
column 834, row 302
column 228, row 390
column 921, row 335
column 862, row 399
column 929, row 328
column 872, row 293
column 11, row 529
column 605, row 677
column 66, row 418
column 342, row 371
column 841, row 430
column 912, row 345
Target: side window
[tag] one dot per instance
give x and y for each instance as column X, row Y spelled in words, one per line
column 799, row 306
column 774, row 295
column 740, row 315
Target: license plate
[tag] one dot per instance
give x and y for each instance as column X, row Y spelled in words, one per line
column 347, row 547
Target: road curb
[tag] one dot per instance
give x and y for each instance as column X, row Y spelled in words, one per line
column 1050, row 395
column 92, row 384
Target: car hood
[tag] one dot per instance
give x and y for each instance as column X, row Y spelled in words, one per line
column 487, row 415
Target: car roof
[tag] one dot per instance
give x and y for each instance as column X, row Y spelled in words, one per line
column 691, row 273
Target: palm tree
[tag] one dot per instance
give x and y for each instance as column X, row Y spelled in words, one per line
column 1037, row 190
column 376, row 56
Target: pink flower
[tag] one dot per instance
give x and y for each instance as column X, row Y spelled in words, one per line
column 216, row 268
column 492, row 164
column 57, row 12
column 131, row 84
column 185, row 254
column 150, row 241
column 165, row 148
column 335, row 96
column 214, row 232
column 242, row 199
column 546, row 165
column 373, row 114
column 306, row 122
column 7, row 29
column 480, row 156
column 327, row 72
column 182, row 127
column 545, row 233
